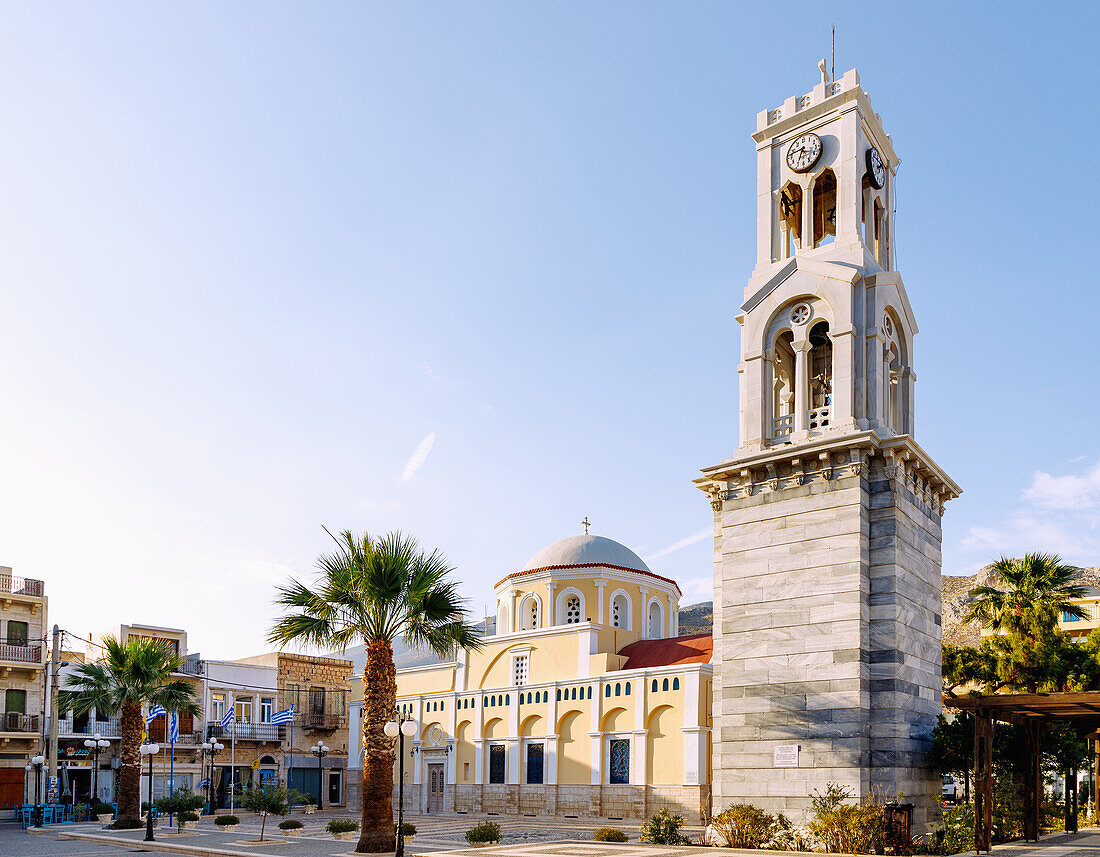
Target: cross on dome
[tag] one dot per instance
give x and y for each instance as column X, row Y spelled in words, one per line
column 586, row 524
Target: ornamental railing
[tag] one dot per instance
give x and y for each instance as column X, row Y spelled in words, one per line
column 106, row 728
column 782, row 426
column 320, row 722
column 21, row 586
column 245, row 731
column 13, row 721
column 21, row 654
column 819, row 418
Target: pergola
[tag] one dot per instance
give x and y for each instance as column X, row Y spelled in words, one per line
column 1028, row 710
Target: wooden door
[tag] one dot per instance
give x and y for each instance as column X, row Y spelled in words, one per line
column 435, row 788
column 11, row 787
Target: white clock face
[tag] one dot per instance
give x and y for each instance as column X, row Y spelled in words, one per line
column 875, row 168
column 804, row 152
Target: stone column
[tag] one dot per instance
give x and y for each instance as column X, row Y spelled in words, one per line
column 638, row 771
column 597, row 757
column 807, row 242
column 479, row 761
column 802, row 350
column 550, row 603
column 513, row 747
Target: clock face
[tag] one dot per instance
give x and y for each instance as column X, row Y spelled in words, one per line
column 804, row 152
column 876, row 171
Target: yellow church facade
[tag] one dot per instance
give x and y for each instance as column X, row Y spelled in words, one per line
column 585, row 701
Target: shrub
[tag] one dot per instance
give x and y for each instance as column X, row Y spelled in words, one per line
column 487, row 831
column 101, row 808
column 226, row 820
column 663, row 828
column 290, row 824
column 958, row 830
column 187, row 815
column 408, row 829
column 743, row 825
column 609, row 834
column 341, row 825
column 846, row 827
column 268, row 798
column 180, row 801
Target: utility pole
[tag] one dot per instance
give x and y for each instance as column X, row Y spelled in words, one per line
column 55, row 666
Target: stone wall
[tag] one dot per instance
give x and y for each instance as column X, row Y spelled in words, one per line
column 827, row 637
column 580, row 801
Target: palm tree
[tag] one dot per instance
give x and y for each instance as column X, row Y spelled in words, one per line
column 1036, row 589
column 377, row 591
column 127, row 675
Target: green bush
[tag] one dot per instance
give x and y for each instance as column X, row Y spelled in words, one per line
column 181, row 800
column 187, row 815
column 226, row 820
column 408, row 829
column 341, row 825
column 487, row 831
column 846, row 827
column 101, row 808
column 290, row 824
column 743, row 825
column 663, row 828
column 609, row 834
column 958, row 830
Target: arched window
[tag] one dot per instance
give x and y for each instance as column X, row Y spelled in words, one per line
column 508, row 699
column 530, row 613
column 824, row 208
column 574, row 693
column 503, row 626
column 781, row 367
column 607, row 691
column 676, row 684
column 618, row 690
column 559, row 695
column 654, row 686
column 790, row 220
column 589, row 692
column 664, row 684
column 821, row 376
column 620, row 610
column 628, row 688
column 572, row 610
column 656, row 621
column 492, row 701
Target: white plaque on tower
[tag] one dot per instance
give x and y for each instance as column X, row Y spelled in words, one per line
column 785, row 756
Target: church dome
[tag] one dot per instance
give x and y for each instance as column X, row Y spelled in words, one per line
column 586, row 550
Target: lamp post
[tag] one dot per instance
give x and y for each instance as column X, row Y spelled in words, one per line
column 26, row 778
column 38, row 761
column 320, row 751
column 211, row 748
column 96, row 743
column 150, row 750
column 400, row 727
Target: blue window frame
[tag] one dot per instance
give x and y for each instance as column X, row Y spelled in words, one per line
column 1069, row 617
column 534, row 764
column 496, row 763
column 664, row 684
column 676, row 684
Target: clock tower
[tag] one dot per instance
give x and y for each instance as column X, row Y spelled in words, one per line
column 827, row 516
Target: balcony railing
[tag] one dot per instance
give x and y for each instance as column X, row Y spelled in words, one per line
column 21, row 654
column 106, row 728
column 319, row 722
column 245, row 731
column 13, row 721
column 21, row 586
column 782, row 426
column 819, row 418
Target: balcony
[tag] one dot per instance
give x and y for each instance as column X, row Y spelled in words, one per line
column 13, row 721
column 21, row 654
column 107, row 728
column 11, row 585
column 245, row 731
column 313, row 722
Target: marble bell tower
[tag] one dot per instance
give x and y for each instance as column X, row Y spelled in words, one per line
column 827, row 516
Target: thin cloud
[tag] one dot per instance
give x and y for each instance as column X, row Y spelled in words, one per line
column 694, row 538
column 1072, row 491
column 417, row 459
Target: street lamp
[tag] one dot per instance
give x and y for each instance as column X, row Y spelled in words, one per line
column 320, row 751
column 38, row 761
column 26, row 778
column 150, row 750
column 211, row 748
column 96, row 743
column 401, row 727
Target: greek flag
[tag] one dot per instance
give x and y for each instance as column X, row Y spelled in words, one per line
column 227, row 720
column 174, row 728
column 155, row 711
column 284, row 716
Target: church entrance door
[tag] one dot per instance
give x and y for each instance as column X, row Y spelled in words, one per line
column 435, row 788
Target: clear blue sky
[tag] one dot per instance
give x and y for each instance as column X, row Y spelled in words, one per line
column 254, row 256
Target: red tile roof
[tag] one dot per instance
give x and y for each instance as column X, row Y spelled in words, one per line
column 693, row 649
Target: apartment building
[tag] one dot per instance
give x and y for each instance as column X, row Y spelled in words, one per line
column 22, row 674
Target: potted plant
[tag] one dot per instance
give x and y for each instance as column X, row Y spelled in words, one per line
column 409, row 829
column 291, row 827
column 182, row 802
column 268, row 798
column 343, row 828
column 486, row 833
column 186, row 819
column 227, row 821
column 104, row 813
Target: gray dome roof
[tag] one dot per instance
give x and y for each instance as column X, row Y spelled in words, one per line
column 586, row 550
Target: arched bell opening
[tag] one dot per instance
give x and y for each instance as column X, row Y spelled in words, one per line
column 824, row 192
column 782, row 386
column 790, row 220
column 821, row 377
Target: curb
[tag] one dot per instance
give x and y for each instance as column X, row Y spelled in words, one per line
column 158, row 845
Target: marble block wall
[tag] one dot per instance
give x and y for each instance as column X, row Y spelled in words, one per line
column 827, row 638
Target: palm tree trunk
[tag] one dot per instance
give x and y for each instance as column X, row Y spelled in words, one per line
column 129, row 775
column 379, row 700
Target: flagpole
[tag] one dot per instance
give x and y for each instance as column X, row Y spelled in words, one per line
column 290, row 769
column 171, row 760
column 232, row 765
